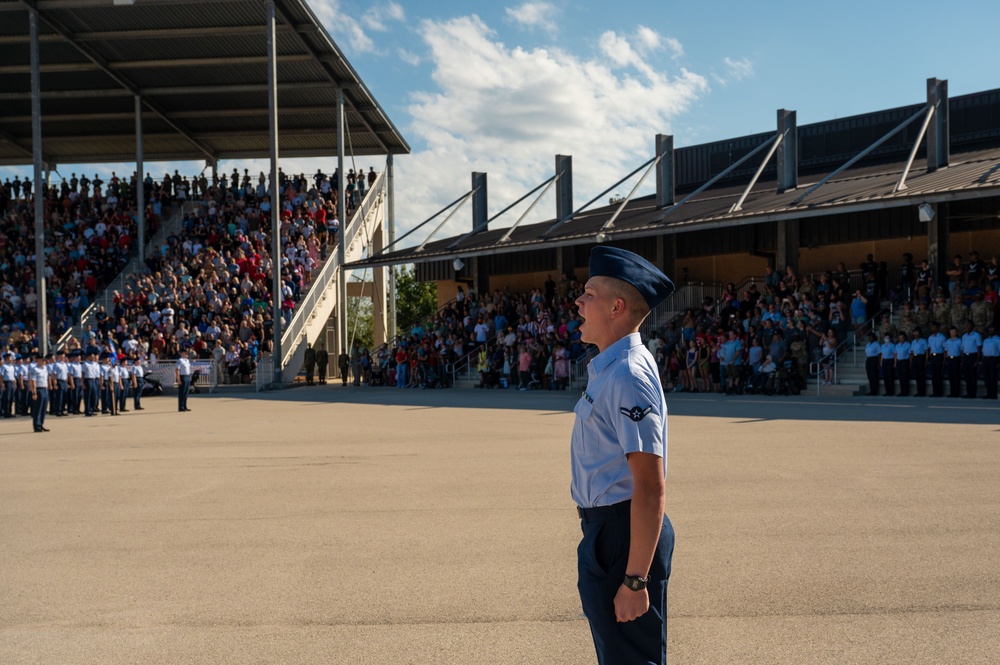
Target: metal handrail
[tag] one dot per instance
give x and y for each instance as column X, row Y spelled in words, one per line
column 850, row 343
column 89, row 315
column 348, row 233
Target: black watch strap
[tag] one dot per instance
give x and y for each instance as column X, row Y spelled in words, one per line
column 636, row 583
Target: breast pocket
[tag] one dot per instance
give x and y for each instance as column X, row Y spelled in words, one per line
column 583, row 409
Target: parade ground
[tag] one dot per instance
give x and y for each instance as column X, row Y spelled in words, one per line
column 357, row 525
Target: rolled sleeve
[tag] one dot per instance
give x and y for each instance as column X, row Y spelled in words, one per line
column 638, row 416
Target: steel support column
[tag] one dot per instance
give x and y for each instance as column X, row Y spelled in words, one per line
column 665, row 174
column 140, row 188
column 938, row 140
column 272, row 107
column 36, row 146
column 391, row 229
column 342, row 215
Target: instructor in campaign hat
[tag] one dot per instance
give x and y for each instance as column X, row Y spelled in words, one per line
column 619, row 461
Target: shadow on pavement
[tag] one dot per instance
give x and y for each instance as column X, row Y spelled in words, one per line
column 750, row 409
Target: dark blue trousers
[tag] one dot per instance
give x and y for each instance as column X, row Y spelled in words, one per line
column 7, row 399
column 602, row 557
column 182, row 392
column 140, row 383
column 90, row 399
column 38, row 408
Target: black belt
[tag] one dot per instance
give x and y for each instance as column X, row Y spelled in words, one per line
column 620, row 509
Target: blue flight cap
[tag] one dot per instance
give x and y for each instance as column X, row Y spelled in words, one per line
column 652, row 284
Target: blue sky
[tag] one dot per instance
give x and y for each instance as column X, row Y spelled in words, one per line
column 501, row 87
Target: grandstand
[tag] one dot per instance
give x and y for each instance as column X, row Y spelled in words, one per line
column 92, row 81
column 922, row 179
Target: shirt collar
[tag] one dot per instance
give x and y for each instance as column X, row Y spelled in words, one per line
column 610, row 354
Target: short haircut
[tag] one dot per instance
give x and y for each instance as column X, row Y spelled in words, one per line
column 636, row 305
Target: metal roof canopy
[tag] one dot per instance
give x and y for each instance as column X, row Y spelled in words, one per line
column 971, row 175
column 200, row 69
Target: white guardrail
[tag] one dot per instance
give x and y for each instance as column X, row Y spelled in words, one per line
column 205, row 373
column 303, row 309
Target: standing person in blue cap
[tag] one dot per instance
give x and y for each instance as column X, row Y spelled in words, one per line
column 38, row 384
column 619, row 462
column 8, row 375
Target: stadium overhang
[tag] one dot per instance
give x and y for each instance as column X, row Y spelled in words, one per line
column 199, row 70
column 971, row 175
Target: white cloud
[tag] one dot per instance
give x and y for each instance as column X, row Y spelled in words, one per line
column 737, row 70
column 342, row 25
column 508, row 111
column 375, row 18
column 534, row 15
column 408, row 58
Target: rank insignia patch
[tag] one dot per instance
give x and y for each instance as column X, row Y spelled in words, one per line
column 636, row 413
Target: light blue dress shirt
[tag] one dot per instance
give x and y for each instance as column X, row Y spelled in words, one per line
column 936, row 342
column 953, row 347
column 622, row 411
column 873, row 350
column 971, row 342
column 918, row 347
column 991, row 346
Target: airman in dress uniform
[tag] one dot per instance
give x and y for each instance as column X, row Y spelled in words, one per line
column 138, row 383
column 8, row 377
column 38, row 386
column 972, row 344
column 953, row 362
column 918, row 361
column 59, row 376
column 991, row 361
column 75, row 382
column 618, row 455
column 91, row 384
column 23, row 371
column 873, row 356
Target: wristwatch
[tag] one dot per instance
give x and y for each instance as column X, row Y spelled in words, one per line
column 636, row 583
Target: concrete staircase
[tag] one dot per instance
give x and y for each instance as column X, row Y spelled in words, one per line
column 312, row 313
column 170, row 223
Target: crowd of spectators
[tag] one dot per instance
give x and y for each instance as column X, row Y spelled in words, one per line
column 207, row 288
column 517, row 340
column 90, row 229
column 768, row 336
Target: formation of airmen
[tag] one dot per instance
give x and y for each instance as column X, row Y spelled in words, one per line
column 86, row 382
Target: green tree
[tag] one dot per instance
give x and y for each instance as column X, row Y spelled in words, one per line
column 416, row 302
column 360, row 322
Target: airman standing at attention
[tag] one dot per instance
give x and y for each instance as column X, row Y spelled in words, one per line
column 618, row 457
column 38, row 385
column 8, row 377
column 138, row 383
column 918, row 362
column 75, row 382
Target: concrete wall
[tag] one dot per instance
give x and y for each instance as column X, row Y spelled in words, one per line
column 719, row 269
